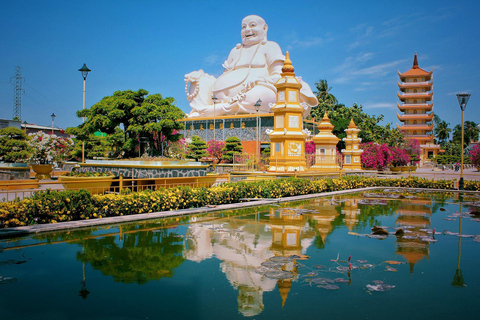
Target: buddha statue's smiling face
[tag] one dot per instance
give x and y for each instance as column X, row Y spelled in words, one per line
column 254, row 30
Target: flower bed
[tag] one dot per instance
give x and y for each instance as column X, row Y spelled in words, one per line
column 56, row 206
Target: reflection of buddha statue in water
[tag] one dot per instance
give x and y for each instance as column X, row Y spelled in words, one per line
column 251, row 70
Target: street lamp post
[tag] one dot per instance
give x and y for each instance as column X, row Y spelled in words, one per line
column 214, row 98
column 257, row 106
column 462, row 101
column 84, row 70
column 53, row 121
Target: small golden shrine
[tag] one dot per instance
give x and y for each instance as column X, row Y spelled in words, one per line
column 287, row 140
column 325, row 147
column 352, row 152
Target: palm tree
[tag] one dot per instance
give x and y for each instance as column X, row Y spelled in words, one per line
column 323, row 94
column 442, row 131
column 471, row 132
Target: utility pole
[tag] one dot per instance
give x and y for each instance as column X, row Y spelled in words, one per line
column 17, row 81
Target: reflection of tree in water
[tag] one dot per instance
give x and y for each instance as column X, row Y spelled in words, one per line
column 138, row 257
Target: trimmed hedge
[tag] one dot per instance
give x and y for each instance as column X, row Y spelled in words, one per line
column 57, row 206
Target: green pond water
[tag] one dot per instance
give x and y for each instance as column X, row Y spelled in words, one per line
column 314, row 259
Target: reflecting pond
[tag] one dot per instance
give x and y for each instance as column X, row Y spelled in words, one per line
column 387, row 254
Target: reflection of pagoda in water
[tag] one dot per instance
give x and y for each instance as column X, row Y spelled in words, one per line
column 243, row 244
column 325, row 216
column 350, row 210
column 415, row 213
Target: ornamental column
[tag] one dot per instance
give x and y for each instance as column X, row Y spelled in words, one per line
column 287, row 146
column 325, row 147
column 352, row 152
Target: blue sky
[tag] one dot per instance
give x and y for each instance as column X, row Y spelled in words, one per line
column 358, row 46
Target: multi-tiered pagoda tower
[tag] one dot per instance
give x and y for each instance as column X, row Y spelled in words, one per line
column 416, row 97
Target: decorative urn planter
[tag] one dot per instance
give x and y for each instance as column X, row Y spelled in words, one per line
column 42, row 171
column 95, row 185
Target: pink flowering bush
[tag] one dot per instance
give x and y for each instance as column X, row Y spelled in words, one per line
column 310, row 147
column 178, row 149
column 400, row 157
column 375, row 156
column 475, row 155
column 412, row 147
column 214, row 149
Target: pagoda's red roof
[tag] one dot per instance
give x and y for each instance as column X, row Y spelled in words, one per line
column 415, row 71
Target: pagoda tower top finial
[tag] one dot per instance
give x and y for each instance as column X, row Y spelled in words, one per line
column 352, row 125
column 415, row 62
column 288, row 69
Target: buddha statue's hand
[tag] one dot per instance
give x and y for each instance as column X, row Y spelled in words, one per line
column 248, row 85
column 194, row 76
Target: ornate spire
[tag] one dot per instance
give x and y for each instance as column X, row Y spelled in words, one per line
column 288, row 69
column 415, row 62
column 352, row 125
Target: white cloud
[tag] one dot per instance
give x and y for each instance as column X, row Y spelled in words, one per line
column 379, row 105
column 351, row 69
column 379, row 69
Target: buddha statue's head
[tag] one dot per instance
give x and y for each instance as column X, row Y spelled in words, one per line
column 254, row 30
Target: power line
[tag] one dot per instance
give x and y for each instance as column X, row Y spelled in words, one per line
column 51, row 108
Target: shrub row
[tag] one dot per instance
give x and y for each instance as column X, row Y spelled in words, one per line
column 58, row 206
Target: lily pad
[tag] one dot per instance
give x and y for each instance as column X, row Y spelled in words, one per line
column 279, row 274
column 321, row 280
column 280, row 259
column 271, row 264
column 6, row 280
column 329, row 287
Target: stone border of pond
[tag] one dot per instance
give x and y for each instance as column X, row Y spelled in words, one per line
column 78, row 224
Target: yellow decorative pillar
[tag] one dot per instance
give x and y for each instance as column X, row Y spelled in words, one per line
column 287, row 138
column 325, row 147
column 352, row 152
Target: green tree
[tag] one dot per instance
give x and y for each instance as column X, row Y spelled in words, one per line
column 323, row 93
column 471, row 132
column 13, row 145
column 340, row 117
column 442, row 131
column 198, row 148
column 453, row 149
column 138, row 257
column 140, row 117
column 233, row 145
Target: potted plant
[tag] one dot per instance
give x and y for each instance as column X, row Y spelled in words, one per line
column 46, row 149
column 94, row 182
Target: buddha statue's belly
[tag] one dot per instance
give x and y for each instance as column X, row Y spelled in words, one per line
column 231, row 83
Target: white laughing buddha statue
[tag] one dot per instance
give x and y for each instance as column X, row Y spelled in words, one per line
column 251, row 71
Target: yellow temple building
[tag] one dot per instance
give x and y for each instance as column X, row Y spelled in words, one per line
column 416, row 106
column 352, row 152
column 288, row 137
column 325, row 147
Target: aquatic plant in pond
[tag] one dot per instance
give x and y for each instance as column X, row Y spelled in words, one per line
column 373, row 248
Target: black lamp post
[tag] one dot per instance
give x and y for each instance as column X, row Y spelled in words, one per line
column 462, row 101
column 257, row 106
column 214, row 98
column 84, row 70
column 53, row 121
